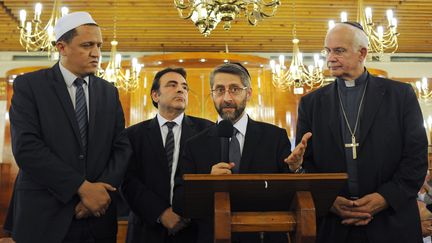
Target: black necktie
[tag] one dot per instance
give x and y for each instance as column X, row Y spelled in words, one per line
column 81, row 111
column 234, row 151
column 169, row 145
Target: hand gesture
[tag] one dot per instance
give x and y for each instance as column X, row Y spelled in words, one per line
column 169, row 219
column 222, row 168
column 95, row 197
column 6, row 240
column 81, row 212
column 295, row 159
column 344, row 208
column 371, row 203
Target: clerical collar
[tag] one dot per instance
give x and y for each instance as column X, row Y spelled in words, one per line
column 352, row 83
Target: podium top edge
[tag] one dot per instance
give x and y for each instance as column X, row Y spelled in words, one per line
column 260, row 177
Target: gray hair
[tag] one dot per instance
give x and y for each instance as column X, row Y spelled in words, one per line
column 360, row 39
column 232, row 68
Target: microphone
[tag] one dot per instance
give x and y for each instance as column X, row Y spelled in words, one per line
column 225, row 130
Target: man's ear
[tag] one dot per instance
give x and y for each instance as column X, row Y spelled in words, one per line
column 155, row 96
column 249, row 93
column 364, row 52
column 61, row 45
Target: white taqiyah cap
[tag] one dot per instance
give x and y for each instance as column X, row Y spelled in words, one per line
column 70, row 22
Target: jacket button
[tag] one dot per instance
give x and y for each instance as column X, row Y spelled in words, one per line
column 81, row 156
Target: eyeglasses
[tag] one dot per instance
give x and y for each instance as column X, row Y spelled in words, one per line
column 336, row 52
column 232, row 91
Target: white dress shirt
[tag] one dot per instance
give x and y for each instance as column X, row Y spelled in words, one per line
column 241, row 126
column 177, row 134
column 69, row 78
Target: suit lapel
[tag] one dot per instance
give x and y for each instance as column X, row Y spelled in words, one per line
column 188, row 130
column 252, row 138
column 64, row 97
column 155, row 140
column 215, row 154
column 330, row 113
column 372, row 102
column 93, row 103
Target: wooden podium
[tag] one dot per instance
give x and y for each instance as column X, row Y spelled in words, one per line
column 261, row 202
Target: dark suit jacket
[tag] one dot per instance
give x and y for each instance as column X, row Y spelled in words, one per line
column 47, row 147
column 392, row 156
column 265, row 148
column 146, row 187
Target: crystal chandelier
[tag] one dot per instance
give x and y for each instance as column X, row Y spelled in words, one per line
column 382, row 39
column 128, row 80
column 422, row 89
column 206, row 14
column 297, row 76
column 36, row 37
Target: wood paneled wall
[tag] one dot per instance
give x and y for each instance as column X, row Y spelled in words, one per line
column 267, row 104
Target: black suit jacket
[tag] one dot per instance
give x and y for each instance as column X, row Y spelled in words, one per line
column 392, row 156
column 47, row 148
column 146, row 187
column 264, row 150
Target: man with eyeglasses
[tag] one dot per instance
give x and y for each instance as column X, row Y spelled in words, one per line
column 372, row 129
column 157, row 144
column 261, row 147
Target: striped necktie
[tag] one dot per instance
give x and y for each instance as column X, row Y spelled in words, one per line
column 81, row 111
column 234, row 151
column 169, row 145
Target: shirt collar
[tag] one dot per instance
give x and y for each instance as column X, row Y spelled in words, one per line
column 69, row 77
column 358, row 81
column 178, row 120
column 241, row 124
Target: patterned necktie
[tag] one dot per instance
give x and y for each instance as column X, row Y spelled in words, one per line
column 234, row 152
column 81, row 111
column 169, row 145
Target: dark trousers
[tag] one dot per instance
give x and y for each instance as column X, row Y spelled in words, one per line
column 357, row 234
column 80, row 232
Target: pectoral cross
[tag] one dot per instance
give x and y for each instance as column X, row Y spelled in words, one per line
column 353, row 145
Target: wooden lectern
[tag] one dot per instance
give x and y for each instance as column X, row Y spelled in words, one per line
column 262, row 202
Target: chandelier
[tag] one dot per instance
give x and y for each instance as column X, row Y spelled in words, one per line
column 206, row 14
column 113, row 72
column 128, row 80
column 422, row 89
column 297, row 76
column 36, row 37
column 382, row 39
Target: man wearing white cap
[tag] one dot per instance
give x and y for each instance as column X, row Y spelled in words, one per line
column 68, row 139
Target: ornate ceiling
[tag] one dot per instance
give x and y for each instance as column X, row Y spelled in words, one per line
column 154, row 25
